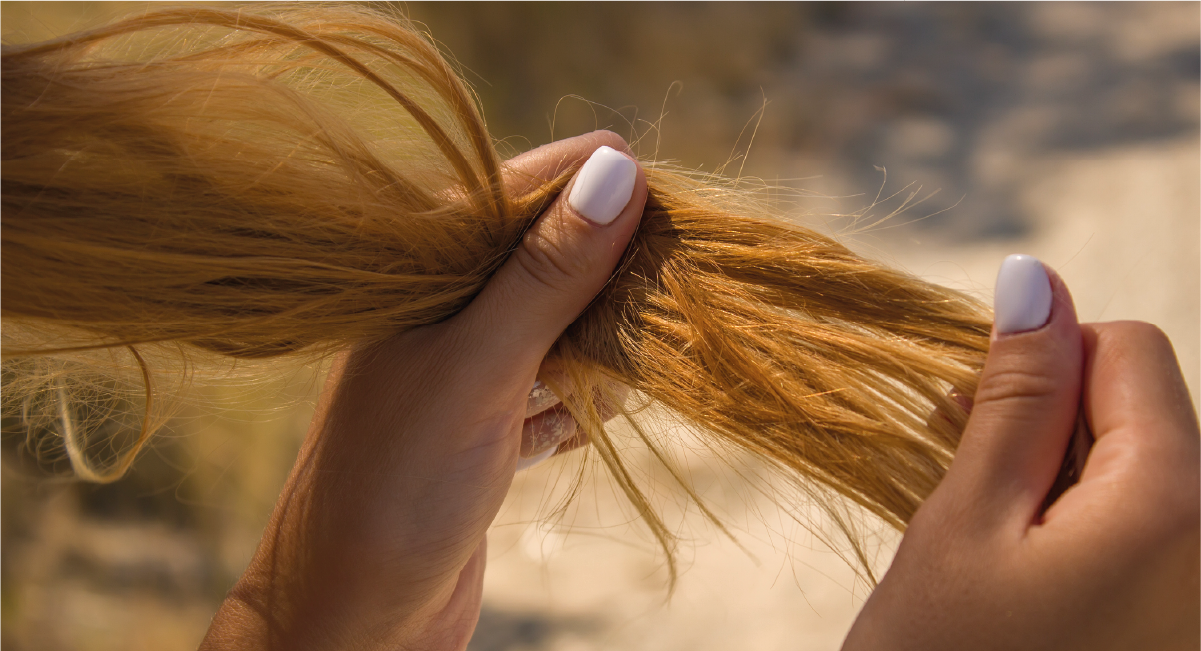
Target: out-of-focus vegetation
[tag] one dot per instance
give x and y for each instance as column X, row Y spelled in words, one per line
column 982, row 102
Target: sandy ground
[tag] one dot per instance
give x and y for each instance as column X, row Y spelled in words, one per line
column 1069, row 132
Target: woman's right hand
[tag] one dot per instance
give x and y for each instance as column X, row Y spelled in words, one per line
column 1115, row 562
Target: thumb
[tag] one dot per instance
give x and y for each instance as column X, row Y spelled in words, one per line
column 1025, row 407
column 563, row 261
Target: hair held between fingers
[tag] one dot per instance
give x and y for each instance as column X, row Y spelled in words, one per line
column 197, row 185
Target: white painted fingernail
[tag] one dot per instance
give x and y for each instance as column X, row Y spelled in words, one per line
column 526, row 464
column 541, row 398
column 548, row 430
column 1023, row 297
column 603, row 186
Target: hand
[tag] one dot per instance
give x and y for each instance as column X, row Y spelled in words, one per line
column 1113, row 564
column 377, row 540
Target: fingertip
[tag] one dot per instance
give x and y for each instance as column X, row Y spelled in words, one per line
column 531, row 170
column 1063, row 306
column 1031, row 297
column 605, row 137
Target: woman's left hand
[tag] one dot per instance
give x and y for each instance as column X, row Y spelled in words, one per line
column 378, row 537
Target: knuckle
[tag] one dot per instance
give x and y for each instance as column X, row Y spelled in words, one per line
column 1137, row 342
column 546, row 261
column 1141, row 331
column 1156, row 339
column 1016, row 384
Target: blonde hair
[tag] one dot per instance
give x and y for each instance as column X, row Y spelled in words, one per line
column 195, row 184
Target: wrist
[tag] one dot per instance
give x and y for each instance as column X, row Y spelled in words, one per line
column 266, row 611
column 256, row 616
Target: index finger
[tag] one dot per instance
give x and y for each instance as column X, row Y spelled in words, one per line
column 1132, row 381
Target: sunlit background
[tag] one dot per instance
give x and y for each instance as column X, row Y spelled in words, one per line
column 1067, row 131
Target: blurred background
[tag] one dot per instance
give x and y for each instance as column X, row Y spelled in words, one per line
column 1067, row 131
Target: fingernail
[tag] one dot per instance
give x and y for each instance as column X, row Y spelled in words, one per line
column 526, row 464
column 540, row 399
column 1023, row 297
column 603, row 186
column 547, row 431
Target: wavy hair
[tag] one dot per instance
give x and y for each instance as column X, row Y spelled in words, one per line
column 204, row 184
